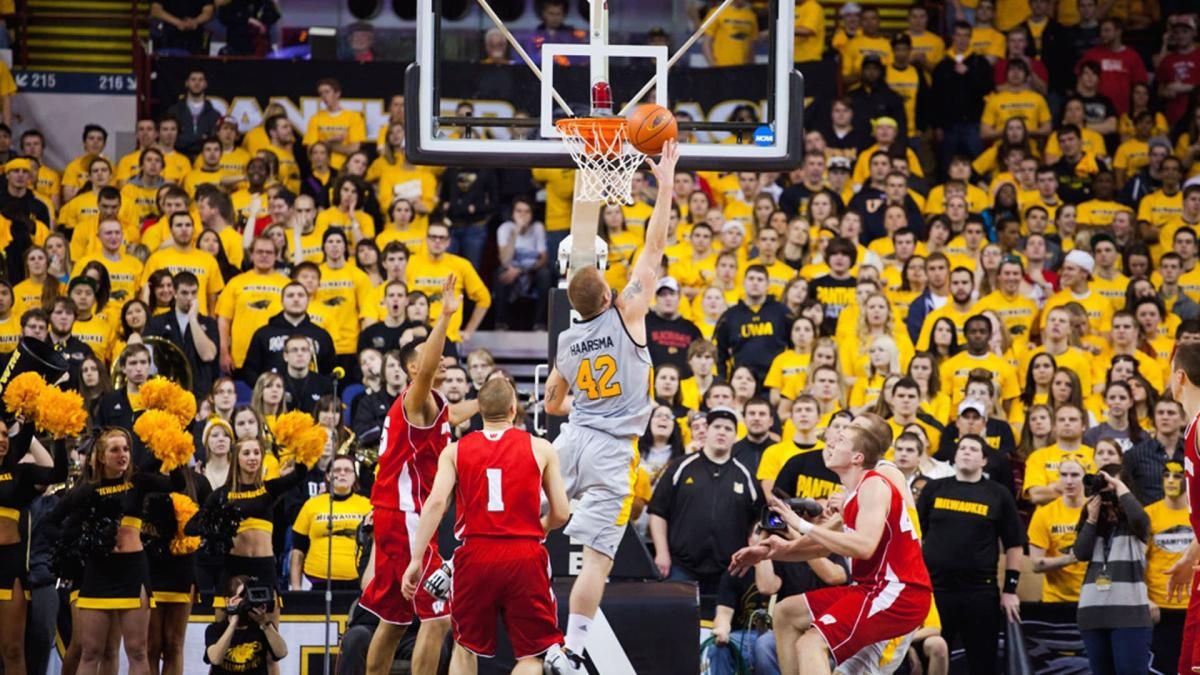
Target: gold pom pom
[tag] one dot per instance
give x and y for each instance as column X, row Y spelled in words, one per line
column 185, row 508
column 165, row 437
column 21, row 394
column 299, row 436
column 60, row 413
column 159, row 393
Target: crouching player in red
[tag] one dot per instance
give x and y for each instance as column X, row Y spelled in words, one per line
column 501, row 568
column 891, row 591
column 415, row 432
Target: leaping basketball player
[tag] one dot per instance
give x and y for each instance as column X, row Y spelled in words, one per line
column 601, row 381
column 1185, row 388
column 415, row 432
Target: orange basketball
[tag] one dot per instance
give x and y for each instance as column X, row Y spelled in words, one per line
column 651, row 125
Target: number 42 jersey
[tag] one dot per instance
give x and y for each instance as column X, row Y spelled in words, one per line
column 609, row 374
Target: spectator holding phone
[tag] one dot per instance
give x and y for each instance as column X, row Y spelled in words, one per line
column 247, row 640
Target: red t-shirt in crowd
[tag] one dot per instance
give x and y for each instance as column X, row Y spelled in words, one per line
column 1179, row 67
column 1119, row 71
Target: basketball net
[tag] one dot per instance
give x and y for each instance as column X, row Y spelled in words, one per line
column 607, row 160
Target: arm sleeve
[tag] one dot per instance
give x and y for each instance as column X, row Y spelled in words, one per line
column 1136, row 516
column 300, row 542
column 664, row 493
column 475, row 289
column 1010, row 524
column 923, row 506
column 276, row 487
column 212, row 634
column 1085, row 541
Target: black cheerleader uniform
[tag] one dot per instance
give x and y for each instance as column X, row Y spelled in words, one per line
column 173, row 577
column 17, row 492
column 254, row 505
column 116, row 580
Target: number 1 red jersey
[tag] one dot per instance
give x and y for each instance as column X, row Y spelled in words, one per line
column 408, row 456
column 898, row 557
column 499, row 486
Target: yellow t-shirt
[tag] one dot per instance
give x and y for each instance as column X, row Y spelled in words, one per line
column 789, row 369
column 859, row 47
column 906, row 82
column 987, row 41
column 1159, row 208
column 203, row 265
column 310, row 245
column 1099, row 212
column 96, row 333
column 289, row 170
column 202, row 176
column 413, row 237
column 313, row 522
column 1016, row 313
column 333, row 217
column 810, row 15
column 930, row 45
column 256, row 139
column 777, row 454
column 10, row 333
column 325, row 125
column 346, row 295
column 954, row 372
column 1092, row 143
column 637, row 215
column 243, row 199
column 49, row 182
column 1099, row 308
column 427, row 275
column 233, row 162
column 142, row 199
column 1170, row 534
column 1131, row 156
column 1052, row 529
column 977, row 200
column 416, row 184
column 1041, row 468
column 124, row 275
column 1010, row 14
column 249, row 301
column 560, row 191
column 733, row 35
column 1003, row 106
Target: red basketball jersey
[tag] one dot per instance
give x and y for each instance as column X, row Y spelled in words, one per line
column 499, row 490
column 898, row 557
column 408, row 457
column 1191, row 462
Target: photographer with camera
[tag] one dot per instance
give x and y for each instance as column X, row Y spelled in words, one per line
column 247, row 640
column 965, row 519
column 1114, row 607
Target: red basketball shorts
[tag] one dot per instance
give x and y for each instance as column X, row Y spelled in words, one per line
column 383, row 596
column 1189, row 651
column 509, row 578
column 850, row 618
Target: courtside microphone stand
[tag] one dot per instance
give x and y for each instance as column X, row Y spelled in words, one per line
column 338, row 374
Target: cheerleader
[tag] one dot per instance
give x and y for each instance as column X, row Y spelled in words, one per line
column 253, row 500
column 115, row 591
column 19, row 474
column 174, row 580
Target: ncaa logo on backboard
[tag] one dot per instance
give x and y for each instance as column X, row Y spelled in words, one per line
column 764, row 135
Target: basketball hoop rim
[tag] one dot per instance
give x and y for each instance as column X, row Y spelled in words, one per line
column 600, row 135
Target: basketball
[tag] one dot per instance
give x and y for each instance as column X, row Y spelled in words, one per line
column 651, row 125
